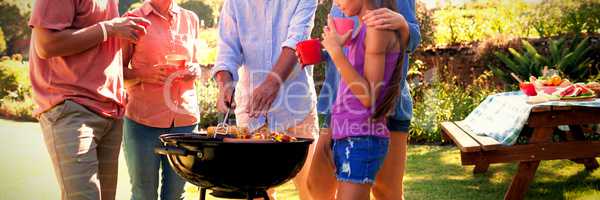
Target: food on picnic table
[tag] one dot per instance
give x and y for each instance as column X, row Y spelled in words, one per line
column 554, row 80
column 528, row 88
column 574, row 91
column 262, row 134
column 537, row 99
column 549, row 85
column 594, row 86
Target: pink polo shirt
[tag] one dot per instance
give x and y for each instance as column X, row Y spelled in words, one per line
column 175, row 102
column 92, row 78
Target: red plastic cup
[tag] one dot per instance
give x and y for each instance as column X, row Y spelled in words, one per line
column 528, row 89
column 309, row 52
column 145, row 25
column 176, row 60
column 343, row 24
column 168, row 68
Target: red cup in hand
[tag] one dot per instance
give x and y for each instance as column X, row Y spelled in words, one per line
column 309, row 52
column 176, row 60
column 145, row 25
column 343, row 25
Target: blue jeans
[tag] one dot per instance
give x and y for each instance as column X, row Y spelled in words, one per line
column 358, row 159
column 143, row 164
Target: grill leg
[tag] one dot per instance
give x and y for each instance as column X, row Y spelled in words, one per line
column 266, row 196
column 202, row 193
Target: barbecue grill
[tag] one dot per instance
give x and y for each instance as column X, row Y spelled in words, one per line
column 241, row 170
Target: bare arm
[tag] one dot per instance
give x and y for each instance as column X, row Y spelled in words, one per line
column 284, row 66
column 264, row 95
column 52, row 43
column 386, row 19
column 299, row 29
column 366, row 88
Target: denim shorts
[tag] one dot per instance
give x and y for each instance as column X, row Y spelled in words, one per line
column 358, row 159
column 393, row 125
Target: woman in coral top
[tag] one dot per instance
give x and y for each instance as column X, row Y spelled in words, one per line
column 161, row 95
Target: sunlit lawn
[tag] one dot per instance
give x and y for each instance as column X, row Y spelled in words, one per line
column 433, row 172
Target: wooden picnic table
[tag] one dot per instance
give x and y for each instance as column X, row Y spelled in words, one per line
column 482, row 151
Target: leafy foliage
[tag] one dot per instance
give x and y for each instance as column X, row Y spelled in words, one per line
column 555, row 17
column 204, row 11
column 15, row 91
column 2, row 42
column 320, row 21
column 14, row 80
column 438, row 100
column 571, row 60
column 426, row 24
column 207, row 99
column 14, row 21
column 480, row 20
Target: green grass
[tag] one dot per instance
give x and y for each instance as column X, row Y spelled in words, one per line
column 433, row 172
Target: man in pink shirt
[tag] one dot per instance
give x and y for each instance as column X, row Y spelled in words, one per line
column 77, row 79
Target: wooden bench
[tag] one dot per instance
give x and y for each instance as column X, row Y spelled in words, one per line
column 482, row 151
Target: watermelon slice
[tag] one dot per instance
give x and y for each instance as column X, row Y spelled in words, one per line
column 574, row 92
column 568, row 91
column 585, row 90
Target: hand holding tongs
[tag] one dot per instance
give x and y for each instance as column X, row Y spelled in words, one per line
column 223, row 127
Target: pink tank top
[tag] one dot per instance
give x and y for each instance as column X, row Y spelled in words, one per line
column 349, row 117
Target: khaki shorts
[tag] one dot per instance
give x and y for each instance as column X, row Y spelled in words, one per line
column 84, row 149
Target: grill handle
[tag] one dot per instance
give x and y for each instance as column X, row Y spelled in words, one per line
column 170, row 150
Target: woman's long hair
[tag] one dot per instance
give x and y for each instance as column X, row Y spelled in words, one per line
column 392, row 88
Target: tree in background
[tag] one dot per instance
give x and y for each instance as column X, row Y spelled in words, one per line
column 2, row 42
column 426, row 24
column 207, row 10
column 203, row 10
column 14, row 22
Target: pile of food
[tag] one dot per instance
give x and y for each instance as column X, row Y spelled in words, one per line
column 543, row 85
column 595, row 87
column 575, row 91
column 241, row 134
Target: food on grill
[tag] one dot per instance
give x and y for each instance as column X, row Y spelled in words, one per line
column 262, row 134
column 273, row 136
column 227, row 130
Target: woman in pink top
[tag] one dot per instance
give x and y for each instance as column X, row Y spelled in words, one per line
column 161, row 95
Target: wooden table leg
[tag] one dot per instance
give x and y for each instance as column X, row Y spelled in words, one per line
column 590, row 163
column 481, row 168
column 521, row 180
column 526, row 170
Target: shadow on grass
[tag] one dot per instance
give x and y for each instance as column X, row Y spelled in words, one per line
column 435, row 172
